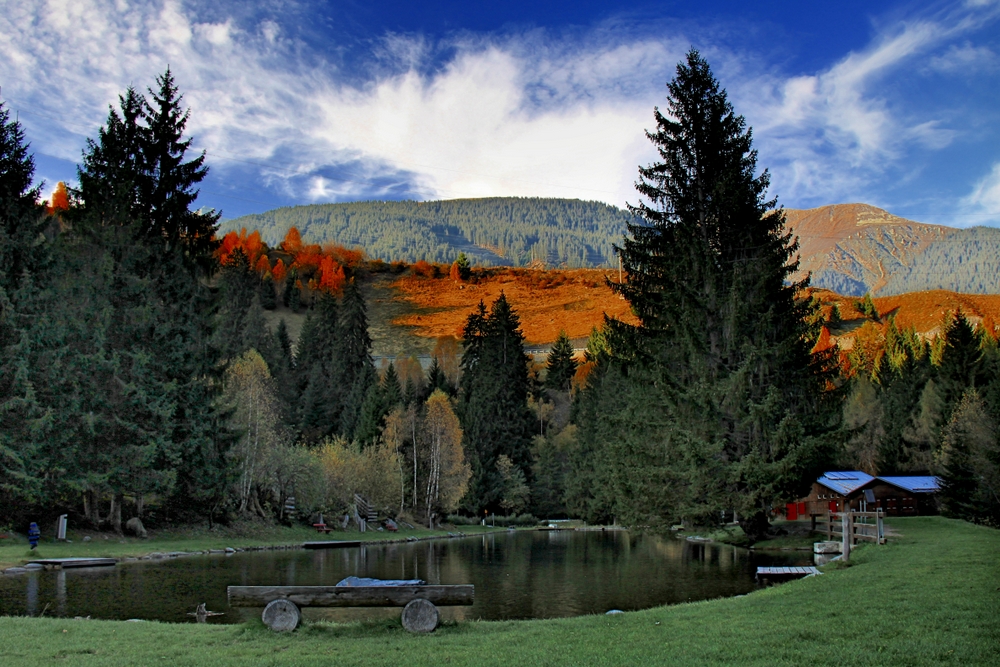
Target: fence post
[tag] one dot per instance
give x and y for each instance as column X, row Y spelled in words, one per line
column 829, row 526
column 881, row 528
column 846, row 528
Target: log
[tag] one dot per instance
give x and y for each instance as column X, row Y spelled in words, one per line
column 350, row 596
column 419, row 615
column 281, row 616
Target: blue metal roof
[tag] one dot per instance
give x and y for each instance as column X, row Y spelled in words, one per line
column 915, row 484
column 846, row 481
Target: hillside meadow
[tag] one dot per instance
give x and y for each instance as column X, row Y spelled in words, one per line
column 409, row 312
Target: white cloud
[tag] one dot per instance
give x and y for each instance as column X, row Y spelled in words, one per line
column 964, row 58
column 984, row 200
column 500, row 118
column 828, row 133
column 518, row 115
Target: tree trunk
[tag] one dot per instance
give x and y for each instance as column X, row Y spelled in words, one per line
column 92, row 508
column 116, row 512
column 139, row 502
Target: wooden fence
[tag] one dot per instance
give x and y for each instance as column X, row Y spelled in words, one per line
column 862, row 526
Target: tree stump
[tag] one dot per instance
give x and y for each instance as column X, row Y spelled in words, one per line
column 419, row 615
column 281, row 616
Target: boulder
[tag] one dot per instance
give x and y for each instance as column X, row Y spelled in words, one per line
column 134, row 526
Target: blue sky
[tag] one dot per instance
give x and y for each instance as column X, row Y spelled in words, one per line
column 890, row 103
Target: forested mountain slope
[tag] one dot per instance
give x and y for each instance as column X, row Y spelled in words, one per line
column 849, row 248
column 506, row 231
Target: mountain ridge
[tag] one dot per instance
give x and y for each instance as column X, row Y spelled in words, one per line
column 850, row 248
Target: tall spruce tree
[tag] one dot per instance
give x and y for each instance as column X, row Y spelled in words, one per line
column 354, row 372
column 136, row 191
column 22, row 254
column 22, row 246
column 722, row 348
column 319, row 395
column 962, row 362
column 493, row 409
column 169, row 192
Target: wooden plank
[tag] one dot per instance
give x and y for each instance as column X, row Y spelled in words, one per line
column 786, row 571
column 332, row 544
column 76, row 562
column 350, row 596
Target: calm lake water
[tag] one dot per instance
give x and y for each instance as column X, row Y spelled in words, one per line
column 517, row 575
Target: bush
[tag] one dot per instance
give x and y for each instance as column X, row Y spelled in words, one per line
column 425, row 269
column 506, row 521
column 459, row 520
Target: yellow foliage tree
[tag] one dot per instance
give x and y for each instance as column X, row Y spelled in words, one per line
column 441, row 444
column 372, row 473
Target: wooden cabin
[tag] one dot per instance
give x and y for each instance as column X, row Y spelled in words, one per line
column 839, row 491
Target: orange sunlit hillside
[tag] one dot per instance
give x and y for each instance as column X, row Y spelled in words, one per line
column 546, row 301
column 923, row 311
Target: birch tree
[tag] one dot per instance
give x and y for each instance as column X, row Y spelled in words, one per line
column 250, row 390
column 448, row 472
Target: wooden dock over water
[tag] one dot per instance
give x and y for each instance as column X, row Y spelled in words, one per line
column 332, row 544
column 66, row 563
column 786, row 572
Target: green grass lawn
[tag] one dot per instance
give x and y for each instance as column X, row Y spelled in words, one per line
column 929, row 597
column 14, row 551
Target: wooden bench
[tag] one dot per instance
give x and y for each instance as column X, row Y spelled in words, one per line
column 281, row 603
column 322, row 528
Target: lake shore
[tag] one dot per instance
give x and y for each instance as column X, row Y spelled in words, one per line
column 928, row 597
column 14, row 552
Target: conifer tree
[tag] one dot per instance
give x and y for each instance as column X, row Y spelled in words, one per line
column 136, row 193
column 21, row 224
column 437, row 380
column 169, row 191
column 354, row 371
column 493, row 405
column 961, row 366
column 381, row 399
column 722, row 348
column 236, row 286
column 284, row 344
column 970, row 463
column 561, row 365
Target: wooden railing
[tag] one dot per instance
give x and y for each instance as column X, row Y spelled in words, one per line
column 862, row 526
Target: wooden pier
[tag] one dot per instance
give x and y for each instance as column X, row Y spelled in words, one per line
column 66, row 563
column 332, row 544
column 786, row 572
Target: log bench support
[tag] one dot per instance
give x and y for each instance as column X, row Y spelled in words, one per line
column 282, row 603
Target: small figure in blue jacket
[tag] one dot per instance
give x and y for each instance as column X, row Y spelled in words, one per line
column 33, row 535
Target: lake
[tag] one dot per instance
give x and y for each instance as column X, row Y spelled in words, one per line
column 518, row 575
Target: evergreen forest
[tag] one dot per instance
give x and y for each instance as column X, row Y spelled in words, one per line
column 140, row 378
column 498, row 231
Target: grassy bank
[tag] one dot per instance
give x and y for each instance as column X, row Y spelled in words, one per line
column 794, row 535
column 927, row 598
column 14, row 551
